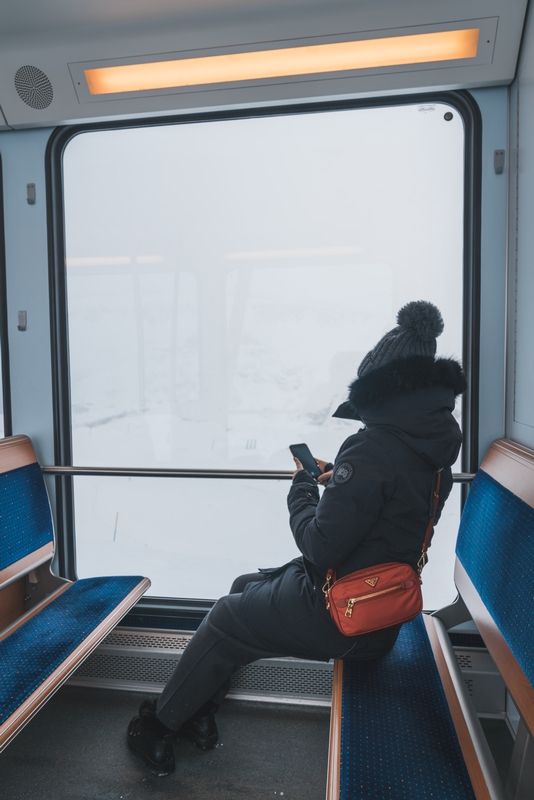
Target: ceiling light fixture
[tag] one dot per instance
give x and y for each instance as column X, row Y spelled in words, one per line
column 418, row 48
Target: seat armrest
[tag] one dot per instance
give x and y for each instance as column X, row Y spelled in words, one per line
column 483, row 772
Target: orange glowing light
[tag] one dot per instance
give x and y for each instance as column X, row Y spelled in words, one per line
column 417, row 48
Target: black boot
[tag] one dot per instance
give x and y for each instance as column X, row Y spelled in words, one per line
column 201, row 728
column 151, row 740
column 148, row 707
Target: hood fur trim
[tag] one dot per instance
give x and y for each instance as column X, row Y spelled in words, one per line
column 406, row 375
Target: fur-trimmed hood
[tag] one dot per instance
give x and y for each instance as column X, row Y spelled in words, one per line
column 400, row 377
column 412, row 398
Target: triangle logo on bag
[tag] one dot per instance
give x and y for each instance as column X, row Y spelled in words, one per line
column 371, row 581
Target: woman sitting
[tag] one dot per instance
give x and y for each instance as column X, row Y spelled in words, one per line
column 374, row 510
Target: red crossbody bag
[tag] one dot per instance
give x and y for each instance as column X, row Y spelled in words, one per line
column 381, row 596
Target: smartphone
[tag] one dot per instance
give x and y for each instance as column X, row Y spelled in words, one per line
column 302, row 452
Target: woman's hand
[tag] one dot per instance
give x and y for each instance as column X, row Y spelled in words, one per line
column 324, row 477
column 299, row 465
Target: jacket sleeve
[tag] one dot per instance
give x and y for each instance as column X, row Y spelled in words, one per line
column 328, row 529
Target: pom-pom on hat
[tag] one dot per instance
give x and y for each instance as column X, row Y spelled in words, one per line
column 419, row 323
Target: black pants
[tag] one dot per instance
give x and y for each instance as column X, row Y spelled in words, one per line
column 221, row 644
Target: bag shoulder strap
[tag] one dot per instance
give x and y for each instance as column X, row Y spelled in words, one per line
column 331, row 576
column 430, row 527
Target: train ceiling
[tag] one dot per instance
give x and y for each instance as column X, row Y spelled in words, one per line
column 49, row 47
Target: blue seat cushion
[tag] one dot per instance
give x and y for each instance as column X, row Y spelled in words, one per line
column 397, row 736
column 32, row 652
column 496, row 548
column 25, row 521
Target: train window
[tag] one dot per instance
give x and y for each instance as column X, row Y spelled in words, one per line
column 224, row 280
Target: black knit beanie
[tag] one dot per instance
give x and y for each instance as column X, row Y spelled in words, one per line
column 419, row 323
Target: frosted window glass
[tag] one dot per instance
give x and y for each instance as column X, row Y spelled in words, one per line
column 438, row 584
column 193, row 537
column 225, row 278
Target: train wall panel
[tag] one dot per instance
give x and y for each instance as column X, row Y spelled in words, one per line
column 520, row 362
column 26, row 248
column 493, row 104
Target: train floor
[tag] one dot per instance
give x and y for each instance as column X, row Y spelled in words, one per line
column 75, row 749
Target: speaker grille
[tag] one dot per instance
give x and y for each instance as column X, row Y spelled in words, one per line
column 151, row 639
column 286, row 679
column 33, row 87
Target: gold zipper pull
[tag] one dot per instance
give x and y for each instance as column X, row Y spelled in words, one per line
column 350, row 605
column 325, row 590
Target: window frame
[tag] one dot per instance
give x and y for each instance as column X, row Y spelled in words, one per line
column 5, row 374
column 468, row 109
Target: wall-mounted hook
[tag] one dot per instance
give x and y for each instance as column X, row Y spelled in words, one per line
column 30, row 193
column 23, row 321
column 498, row 161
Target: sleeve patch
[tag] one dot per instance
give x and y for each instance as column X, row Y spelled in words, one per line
column 343, row 473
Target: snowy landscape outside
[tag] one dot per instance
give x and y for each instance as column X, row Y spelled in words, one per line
column 224, row 280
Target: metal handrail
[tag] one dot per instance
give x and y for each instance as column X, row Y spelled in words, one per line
column 463, row 477
column 239, row 474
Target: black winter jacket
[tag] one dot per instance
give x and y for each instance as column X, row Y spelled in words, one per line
column 377, row 505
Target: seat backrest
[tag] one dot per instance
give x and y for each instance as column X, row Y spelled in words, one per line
column 26, row 530
column 495, row 557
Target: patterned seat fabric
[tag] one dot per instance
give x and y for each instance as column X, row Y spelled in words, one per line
column 496, row 548
column 34, row 650
column 398, row 738
column 25, row 519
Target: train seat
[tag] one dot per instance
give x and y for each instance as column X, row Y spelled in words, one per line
column 405, row 726
column 397, row 709
column 48, row 625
